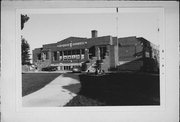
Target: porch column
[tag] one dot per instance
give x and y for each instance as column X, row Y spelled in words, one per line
column 80, row 53
column 97, row 49
column 58, row 54
column 49, row 56
column 63, row 56
column 86, row 55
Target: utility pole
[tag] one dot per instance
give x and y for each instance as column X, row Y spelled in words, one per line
column 117, row 36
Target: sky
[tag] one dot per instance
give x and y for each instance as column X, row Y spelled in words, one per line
column 49, row 28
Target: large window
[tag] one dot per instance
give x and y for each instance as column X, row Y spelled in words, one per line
column 72, row 54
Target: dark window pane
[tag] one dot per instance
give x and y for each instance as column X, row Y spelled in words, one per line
column 69, row 52
column 65, row 53
column 60, row 53
column 55, row 55
column 77, row 51
column 73, row 52
column 82, row 51
column 39, row 56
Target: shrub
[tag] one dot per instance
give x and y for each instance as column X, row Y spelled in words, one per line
column 50, row 68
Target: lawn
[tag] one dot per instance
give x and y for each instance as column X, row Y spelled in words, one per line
column 118, row 89
column 32, row 82
column 115, row 89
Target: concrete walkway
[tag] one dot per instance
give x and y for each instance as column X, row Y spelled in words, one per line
column 52, row 95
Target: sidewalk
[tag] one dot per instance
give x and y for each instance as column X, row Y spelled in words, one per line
column 58, row 71
column 52, row 95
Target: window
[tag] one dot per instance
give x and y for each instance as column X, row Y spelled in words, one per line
column 82, row 51
column 77, row 56
column 69, row 52
column 60, row 55
column 39, row 56
column 67, row 67
column 55, row 56
column 65, row 53
column 73, row 52
column 77, row 51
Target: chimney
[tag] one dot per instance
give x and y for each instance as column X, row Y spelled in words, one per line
column 94, row 33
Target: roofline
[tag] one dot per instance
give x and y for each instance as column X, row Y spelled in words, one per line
column 72, row 37
column 128, row 37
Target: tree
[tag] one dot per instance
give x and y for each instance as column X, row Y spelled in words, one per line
column 25, row 52
column 24, row 18
column 24, row 44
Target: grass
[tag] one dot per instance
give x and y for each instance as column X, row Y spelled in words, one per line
column 81, row 100
column 117, row 89
column 32, row 82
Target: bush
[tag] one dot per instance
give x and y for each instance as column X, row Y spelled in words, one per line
column 50, row 68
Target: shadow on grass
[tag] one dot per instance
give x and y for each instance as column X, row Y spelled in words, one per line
column 122, row 88
column 75, row 88
column 119, row 89
column 71, row 75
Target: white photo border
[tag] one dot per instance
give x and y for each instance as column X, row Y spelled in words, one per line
column 11, row 98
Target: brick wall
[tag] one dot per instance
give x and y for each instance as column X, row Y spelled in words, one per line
column 35, row 54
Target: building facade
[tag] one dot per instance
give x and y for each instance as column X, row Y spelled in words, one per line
column 112, row 52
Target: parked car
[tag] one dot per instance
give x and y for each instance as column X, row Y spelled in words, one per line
column 50, row 68
column 76, row 69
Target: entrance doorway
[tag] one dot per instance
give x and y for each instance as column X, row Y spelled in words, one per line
column 103, row 50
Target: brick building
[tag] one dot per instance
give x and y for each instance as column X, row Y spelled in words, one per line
column 128, row 53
